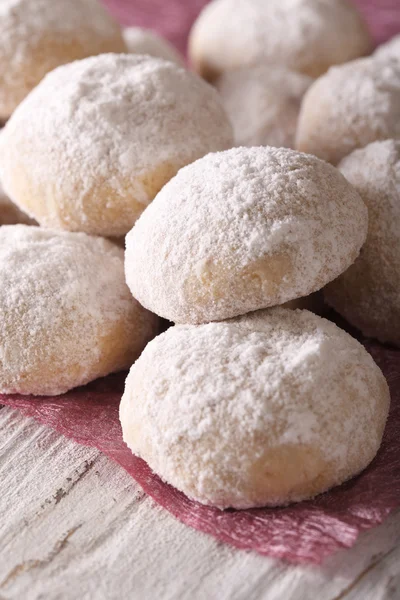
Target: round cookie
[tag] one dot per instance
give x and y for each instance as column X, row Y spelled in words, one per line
column 263, row 103
column 67, row 314
column 267, row 409
column 108, row 133
column 350, row 107
column 36, row 36
column 304, row 35
column 145, row 41
column 368, row 293
column 242, row 230
column 390, row 50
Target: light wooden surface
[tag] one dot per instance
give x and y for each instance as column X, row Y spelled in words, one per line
column 75, row 526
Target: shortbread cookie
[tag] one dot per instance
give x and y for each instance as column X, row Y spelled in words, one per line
column 241, row 230
column 36, row 36
column 67, row 316
column 304, row 35
column 368, row 293
column 263, row 103
column 93, row 144
column 263, row 410
column 350, row 107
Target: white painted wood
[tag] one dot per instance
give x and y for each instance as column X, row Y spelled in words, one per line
column 75, row 526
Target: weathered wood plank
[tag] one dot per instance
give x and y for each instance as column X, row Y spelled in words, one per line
column 74, row 525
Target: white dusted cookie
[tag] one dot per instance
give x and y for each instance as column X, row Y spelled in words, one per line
column 145, row 41
column 241, row 230
column 349, row 107
column 368, row 293
column 108, row 132
column 263, row 410
column 263, row 104
column 67, row 316
column 36, row 36
column 304, row 35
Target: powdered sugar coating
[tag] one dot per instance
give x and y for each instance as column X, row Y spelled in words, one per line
column 368, row 293
column 267, row 409
column 263, row 103
column 304, row 35
column 350, row 107
column 108, row 133
column 389, row 50
column 241, row 230
column 67, row 316
column 39, row 35
column 145, row 41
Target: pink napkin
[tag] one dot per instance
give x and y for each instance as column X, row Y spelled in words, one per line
column 302, row 533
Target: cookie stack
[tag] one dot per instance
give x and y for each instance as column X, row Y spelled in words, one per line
column 245, row 400
column 249, row 411
column 83, row 154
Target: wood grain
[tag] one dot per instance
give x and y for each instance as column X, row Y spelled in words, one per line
column 75, row 525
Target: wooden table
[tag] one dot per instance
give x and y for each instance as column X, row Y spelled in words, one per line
column 75, row 526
